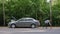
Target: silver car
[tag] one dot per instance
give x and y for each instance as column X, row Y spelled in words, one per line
column 24, row 22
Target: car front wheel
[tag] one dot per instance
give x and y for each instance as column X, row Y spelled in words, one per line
column 33, row 26
column 13, row 26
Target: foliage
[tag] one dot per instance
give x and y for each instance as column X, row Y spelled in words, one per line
column 38, row 9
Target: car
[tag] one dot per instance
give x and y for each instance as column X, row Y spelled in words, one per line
column 24, row 22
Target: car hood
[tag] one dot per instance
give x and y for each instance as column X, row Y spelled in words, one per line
column 12, row 22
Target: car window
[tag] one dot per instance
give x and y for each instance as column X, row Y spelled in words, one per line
column 28, row 20
column 21, row 20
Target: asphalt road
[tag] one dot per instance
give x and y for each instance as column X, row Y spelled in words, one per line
column 40, row 30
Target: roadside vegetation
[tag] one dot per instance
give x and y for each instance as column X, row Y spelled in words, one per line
column 38, row 9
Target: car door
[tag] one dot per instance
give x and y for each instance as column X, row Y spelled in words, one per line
column 20, row 23
column 27, row 22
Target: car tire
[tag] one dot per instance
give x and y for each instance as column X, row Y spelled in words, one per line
column 33, row 26
column 13, row 25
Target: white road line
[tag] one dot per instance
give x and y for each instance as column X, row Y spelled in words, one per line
column 25, row 31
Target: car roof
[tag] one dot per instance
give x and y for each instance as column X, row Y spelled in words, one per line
column 27, row 18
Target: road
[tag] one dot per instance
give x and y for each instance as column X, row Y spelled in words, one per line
column 40, row 30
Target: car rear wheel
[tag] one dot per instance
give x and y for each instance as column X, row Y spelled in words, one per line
column 33, row 26
column 13, row 26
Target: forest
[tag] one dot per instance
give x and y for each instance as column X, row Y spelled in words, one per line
column 37, row 9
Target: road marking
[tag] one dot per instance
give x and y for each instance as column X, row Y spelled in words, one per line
column 26, row 31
